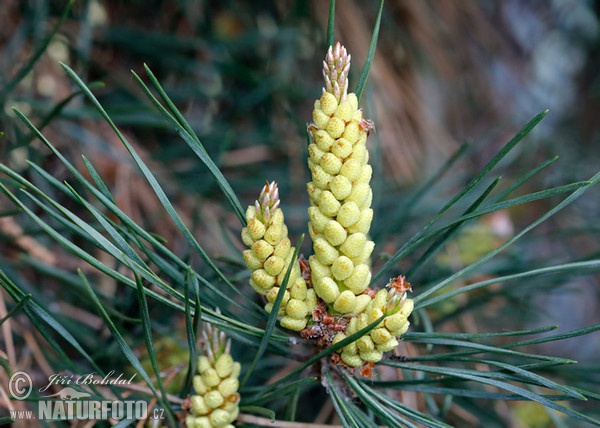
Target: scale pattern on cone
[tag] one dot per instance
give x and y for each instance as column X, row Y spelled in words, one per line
column 340, row 194
column 268, row 257
column 340, row 218
column 215, row 403
column 370, row 348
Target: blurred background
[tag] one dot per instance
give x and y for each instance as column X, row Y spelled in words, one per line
column 245, row 75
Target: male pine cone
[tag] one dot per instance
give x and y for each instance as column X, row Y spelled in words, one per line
column 215, row 403
column 340, row 217
column 392, row 302
column 269, row 256
column 340, row 194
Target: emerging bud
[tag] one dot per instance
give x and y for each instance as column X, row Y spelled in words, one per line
column 336, row 67
column 267, row 202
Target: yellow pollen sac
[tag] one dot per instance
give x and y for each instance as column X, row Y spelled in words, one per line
column 219, row 418
column 274, row 265
column 352, row 99
column 272, row 295
column 325, row 252
column 256, row 229
column 293, row 323
column 374, row 314
column 358, row 281
column 350, row 348
column 275, row 233
column 234, row 414
column 359, row 153
column 328, row 204
column 330, row 163
column 224, row 366
column 269, row 309
column 323, row 140
column 389, row 345
column 318, row 269
column 365, row 343
column 341, row 148
column 380, row 335
column 199, row 407
column 210, row 377
column 342, row 268
column 298, row 289
column 327, row 289
column 237, row 368
column 352, row 360
column 213, row 399
column 351, row 169
column 203, row 364
column 362, row 302
column 293, row 274
column 365, row 174
column 312, row 232
column 329, row 103
column 250, row 213
column 335, row 233
column 407, row 307
column 344, row 111
column 340, row 187
column 354, row 244
column 352, row 132
column 262, row 279
column 251, row 261
column 371, row 356
column 320, row 178
column 311, row 299
column 348, row 214
column 363, row 257
column 360, row 193
column 362, row 138
column 345, row 302
column 362, row 321
column 338, row 338
column 394, row 322
column 277, row 217
column 283, row 248
column 366, row 159
column 246, row 238
column 315, row 153
column 367, row 202
column 363, row 223
column 320, row 118
column 262, row 249
column 318, row 219
column 402, row 329
column 296, row 309
column 199, row 386
column 380, row 299
column 231, row 402
column 335, row 127
column 197, row 422
column 358, row 116
column 313, row 192
column 352, row 327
